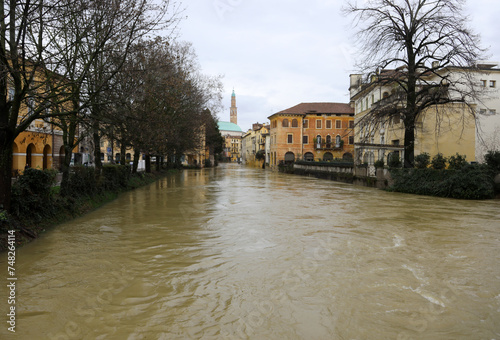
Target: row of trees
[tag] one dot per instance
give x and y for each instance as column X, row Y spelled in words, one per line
column 101, row 68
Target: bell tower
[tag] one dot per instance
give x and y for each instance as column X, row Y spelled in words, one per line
column 233, row 113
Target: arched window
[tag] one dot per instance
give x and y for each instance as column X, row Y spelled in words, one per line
column 295, row 123
column 30, row 150
column 289, row 157
column 308, row 156
column 46, row 153
column 284, row 123
column 347, row 155
column 318, row 139
column 337, row 140
column 327, row 157
column 328, row 141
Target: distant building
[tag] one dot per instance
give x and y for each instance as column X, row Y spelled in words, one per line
column 312, row 132
column 232, row 134
column 255, row 140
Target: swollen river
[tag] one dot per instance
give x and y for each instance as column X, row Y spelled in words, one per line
column 241, row 253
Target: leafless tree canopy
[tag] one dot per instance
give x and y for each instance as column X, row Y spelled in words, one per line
column 423, row 46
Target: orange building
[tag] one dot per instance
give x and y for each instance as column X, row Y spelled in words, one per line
column 312, row 132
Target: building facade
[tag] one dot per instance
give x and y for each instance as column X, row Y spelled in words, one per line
column 312, row 132
column 447, row 129
column 255, row 140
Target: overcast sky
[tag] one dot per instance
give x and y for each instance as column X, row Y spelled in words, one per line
column 277, row 53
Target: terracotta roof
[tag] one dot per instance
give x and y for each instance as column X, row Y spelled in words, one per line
column 303, row 108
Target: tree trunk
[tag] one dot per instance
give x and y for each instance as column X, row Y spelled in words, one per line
column 158, row 163
column 123, row 150
column 137, row 156
column 409, row 145
column 5, row 169
column 148, row 164
column 97, row 147
column 66, row 162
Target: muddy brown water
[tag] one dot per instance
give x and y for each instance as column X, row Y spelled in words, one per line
column 241, row 253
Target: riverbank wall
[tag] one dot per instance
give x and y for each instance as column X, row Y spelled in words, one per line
column 344, row 172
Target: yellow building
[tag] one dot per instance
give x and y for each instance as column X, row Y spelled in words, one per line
column 253, row 141
column 312, row 132
column 447, row 129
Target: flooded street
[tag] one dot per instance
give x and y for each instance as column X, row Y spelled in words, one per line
column 242, row 253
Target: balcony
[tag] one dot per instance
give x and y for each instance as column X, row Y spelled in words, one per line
column 329, row 146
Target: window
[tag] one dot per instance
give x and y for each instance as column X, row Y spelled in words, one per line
column 396, row 119
column 382, row 140
column 290, row 138
column 306, row 123
column 318, row 123
column 373, row 99
column 328, row 141
column 31, row 106
column 284, row 123
column 337, row 140
column 338, row 124
column 305, row 139
column 493, row 83
column 351, row 139
column 295, row 123
column 483, row 83
column 329, row 124
column 351, row 124
column 493, row 111
column 366, row 103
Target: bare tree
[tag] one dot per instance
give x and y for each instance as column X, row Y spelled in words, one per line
column 424, row 50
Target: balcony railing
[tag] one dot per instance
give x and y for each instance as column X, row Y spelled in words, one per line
column 328, row 146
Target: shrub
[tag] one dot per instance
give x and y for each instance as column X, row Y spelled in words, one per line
column 492, row 159
column 260, row 155
column 82, row 182
column 438, row 162
column 31, row 193
column 457, row 162
column 115, row 176
column 379, row 164
column 470, row 182
column 422, row 161
column 394, row 161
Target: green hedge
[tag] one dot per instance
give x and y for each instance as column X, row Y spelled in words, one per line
column 82, row 182
column 32, row 195
column 115, row 176
column 470, row 182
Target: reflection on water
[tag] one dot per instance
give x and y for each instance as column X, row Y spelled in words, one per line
column 239, row 253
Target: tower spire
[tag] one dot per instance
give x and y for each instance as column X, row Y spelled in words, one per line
column 233, row 112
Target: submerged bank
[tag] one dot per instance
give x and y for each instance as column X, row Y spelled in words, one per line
column 35, row 212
